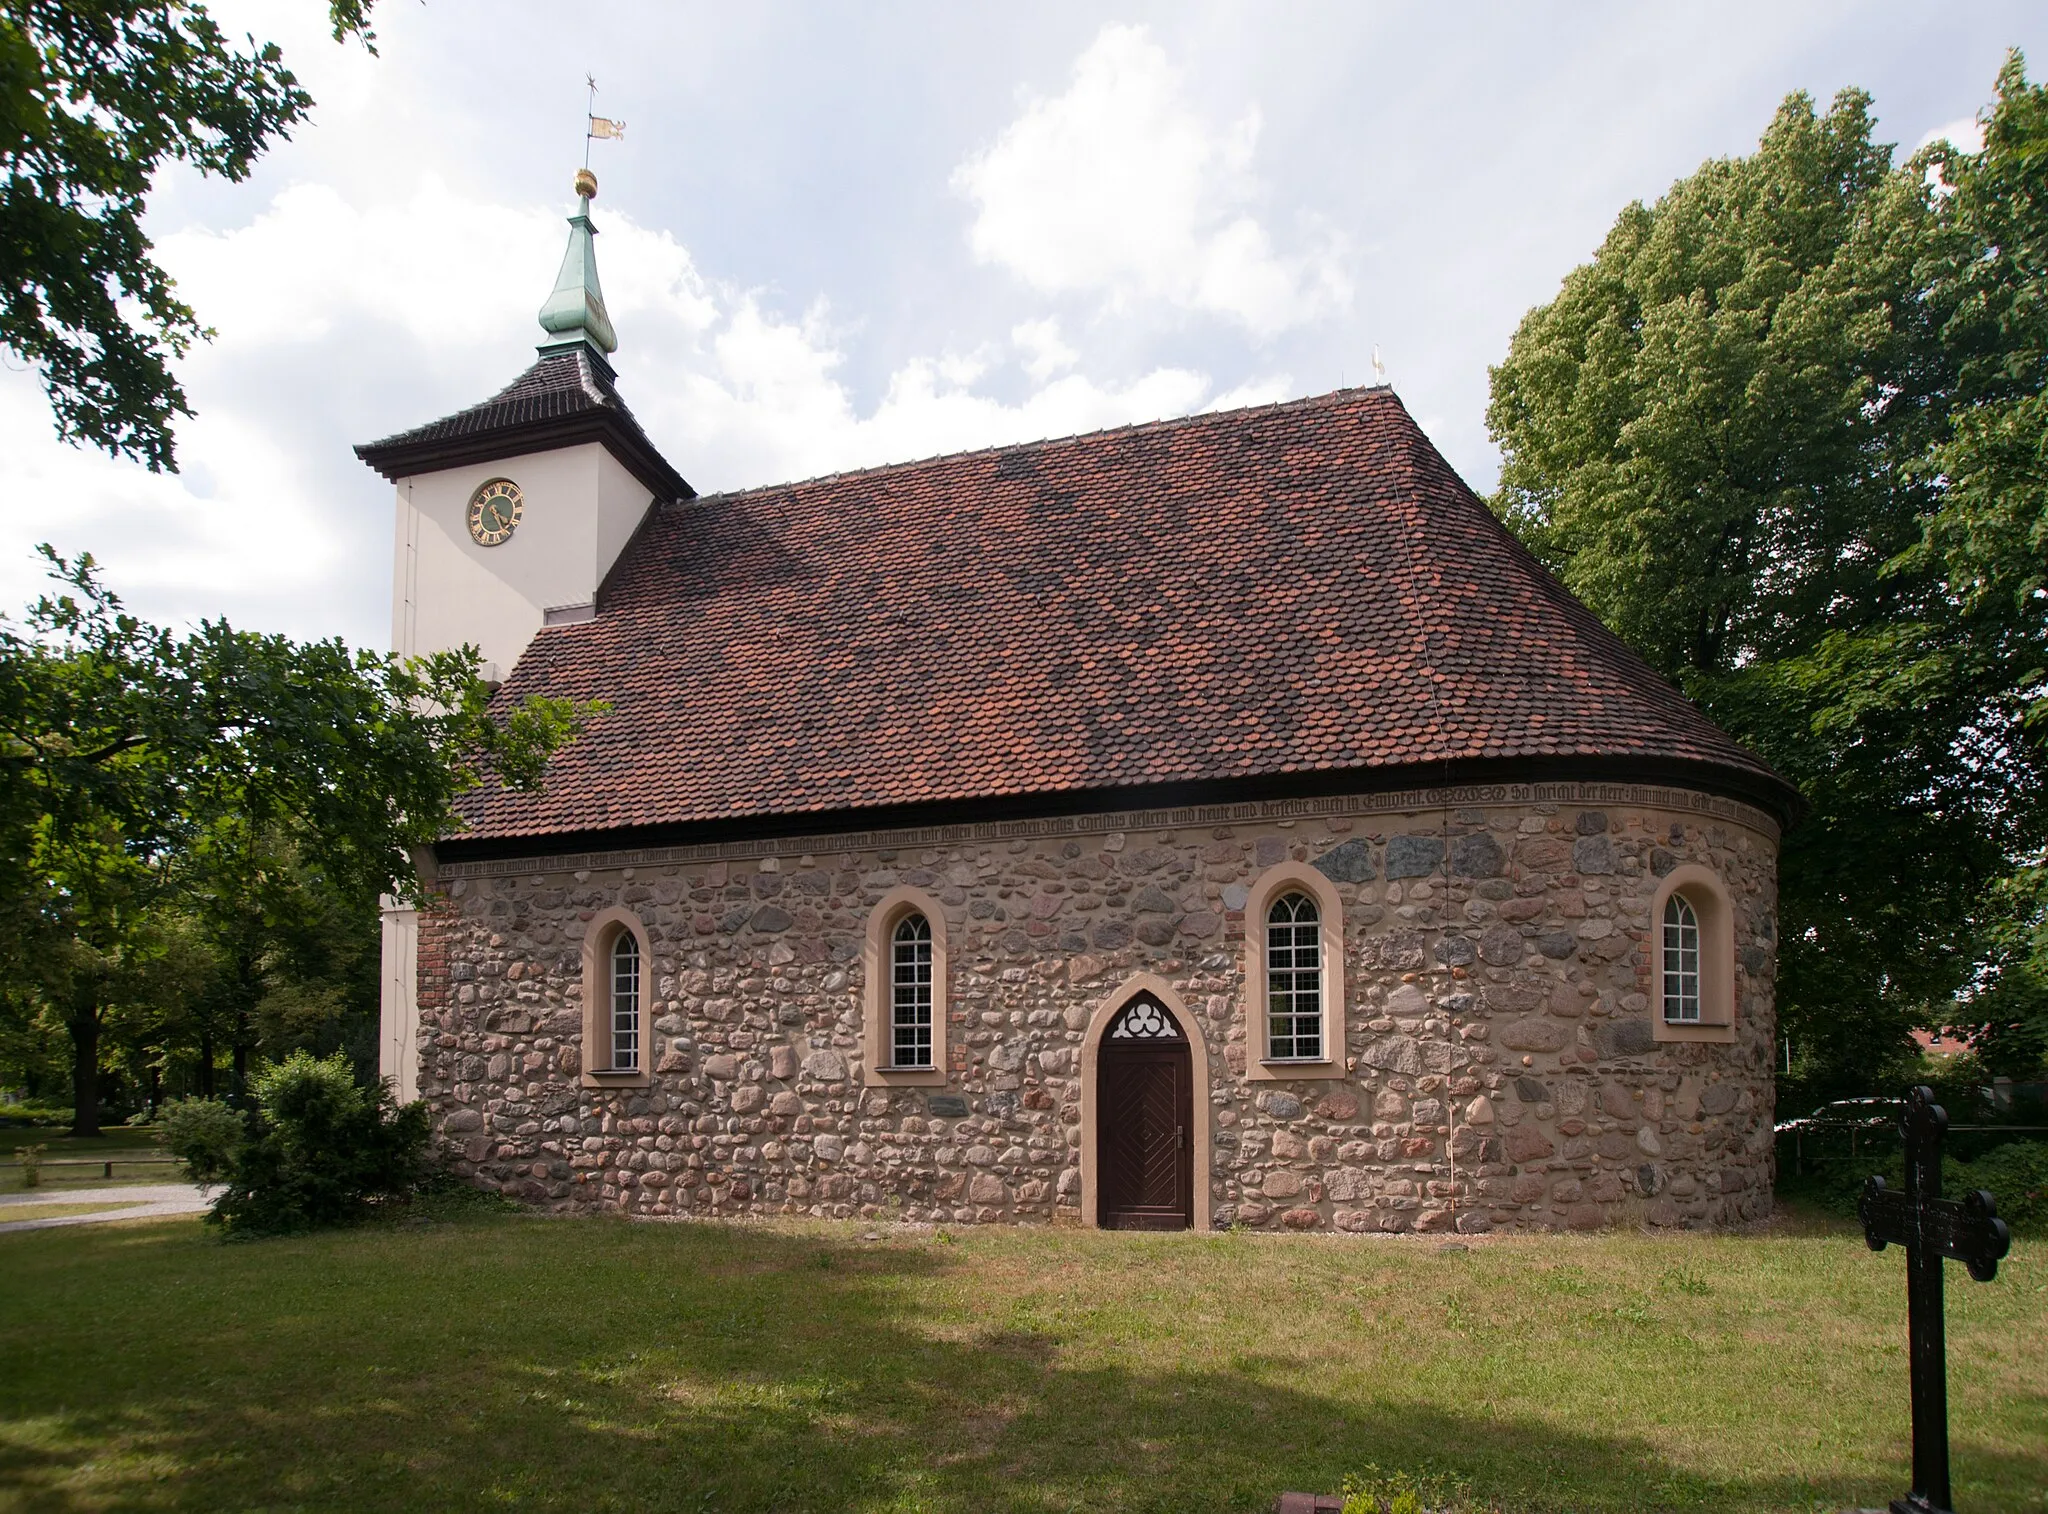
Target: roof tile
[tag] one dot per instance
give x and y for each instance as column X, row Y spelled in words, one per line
column 1298, row 588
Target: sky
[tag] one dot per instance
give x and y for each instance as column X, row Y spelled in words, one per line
column 834, row 236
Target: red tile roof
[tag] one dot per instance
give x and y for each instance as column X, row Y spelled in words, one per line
column 568, row 397
column 1304, row 588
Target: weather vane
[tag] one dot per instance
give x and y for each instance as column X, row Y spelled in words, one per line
column 600, row 126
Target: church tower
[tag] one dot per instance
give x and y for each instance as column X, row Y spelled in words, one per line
column 509, row 516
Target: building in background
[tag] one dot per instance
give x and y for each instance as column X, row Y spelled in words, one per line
column 1219, row 821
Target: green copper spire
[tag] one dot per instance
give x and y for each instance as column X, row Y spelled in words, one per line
column 575, row 311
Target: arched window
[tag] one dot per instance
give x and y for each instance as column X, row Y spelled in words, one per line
column 619, row 1049
column 1681, row 962
column 1294, row 980
column 903, row 992
column 625, row 1003
column 1294, row 975
column 1690, row 945
column 910, row 993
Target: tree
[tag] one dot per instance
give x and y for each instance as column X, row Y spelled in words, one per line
column 135, row 761
column 121, row 962
column 95, row 97
column 295, row 952
column 1990, row 538
column 1723, row 435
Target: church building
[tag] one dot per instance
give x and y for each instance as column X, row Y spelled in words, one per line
column 1220, row 821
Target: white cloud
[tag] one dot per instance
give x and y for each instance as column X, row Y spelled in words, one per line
column 1966, row 134
column 1122, row 187
column 769, row 405
column 341, row 321
column 237, row 527
column 1044, row 351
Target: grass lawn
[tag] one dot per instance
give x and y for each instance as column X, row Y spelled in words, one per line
column 119, row 1145
column 503, row 1362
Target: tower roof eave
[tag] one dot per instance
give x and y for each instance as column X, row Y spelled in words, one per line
column 567, row 398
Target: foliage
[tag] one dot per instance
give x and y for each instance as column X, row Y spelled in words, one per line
column 1374, row 1491
column 31, row 1159
column 205, row 1135
column 2006, row 1012
column 192, row 826
column 294, row 948
column 95, row 97
column 30, row 1112
column 325, row 1150
column 1689, row 431
column 121, row 737
column 1777, row 435
column 1991, row 534
column 2015, row 1174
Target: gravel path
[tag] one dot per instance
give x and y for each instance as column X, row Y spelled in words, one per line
column 147, row 1201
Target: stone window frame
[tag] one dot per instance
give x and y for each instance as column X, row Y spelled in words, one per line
column 1703, row 889
column 1285, row 878
column 875, row 971
column 598, row 937
column 1106, row 1010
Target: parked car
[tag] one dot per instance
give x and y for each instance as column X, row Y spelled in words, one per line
column 1847, row 1114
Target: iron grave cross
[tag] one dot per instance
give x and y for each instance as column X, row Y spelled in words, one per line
column 1930, row 1227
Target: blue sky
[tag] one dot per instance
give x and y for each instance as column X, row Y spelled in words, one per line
column 836, row 236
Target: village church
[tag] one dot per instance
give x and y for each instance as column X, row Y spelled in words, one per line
column 1221, row 821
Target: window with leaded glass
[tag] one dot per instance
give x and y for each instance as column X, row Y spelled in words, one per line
column 910, row 993
column 1294, row 980
column 625, row 1003
column 1681, row 962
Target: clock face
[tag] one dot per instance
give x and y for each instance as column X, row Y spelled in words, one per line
column 494, row 511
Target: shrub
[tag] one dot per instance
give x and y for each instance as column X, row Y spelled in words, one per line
column 204, row 1135
column 2016, row 1174
column 31, row 1158
column 28, row 1112
column 325, row 1150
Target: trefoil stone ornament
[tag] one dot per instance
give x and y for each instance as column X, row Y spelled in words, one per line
column 1931, row 1228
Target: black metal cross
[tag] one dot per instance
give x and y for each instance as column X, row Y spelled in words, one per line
column 1930, row 1227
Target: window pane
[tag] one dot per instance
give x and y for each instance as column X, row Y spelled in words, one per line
column 625, row 1005
column 910, row 993
column 1681, row 931
column 1294, row 979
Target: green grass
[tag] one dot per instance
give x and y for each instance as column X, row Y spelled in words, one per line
column 118, row 1143
column 497, row 1362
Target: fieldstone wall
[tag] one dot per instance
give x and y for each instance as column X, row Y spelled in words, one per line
column 1504, row 1071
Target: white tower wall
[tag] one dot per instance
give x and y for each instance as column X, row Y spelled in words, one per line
column 580, row 508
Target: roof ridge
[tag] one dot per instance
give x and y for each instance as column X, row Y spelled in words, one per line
column 1538, row 574
column 1271, row 407
column 603, row 396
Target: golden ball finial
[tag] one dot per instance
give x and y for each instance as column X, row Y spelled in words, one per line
column 586, row 184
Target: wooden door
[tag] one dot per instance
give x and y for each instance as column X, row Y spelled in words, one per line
column 1144, row 1111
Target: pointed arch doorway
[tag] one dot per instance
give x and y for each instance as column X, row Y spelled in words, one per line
column 1144, row 1107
